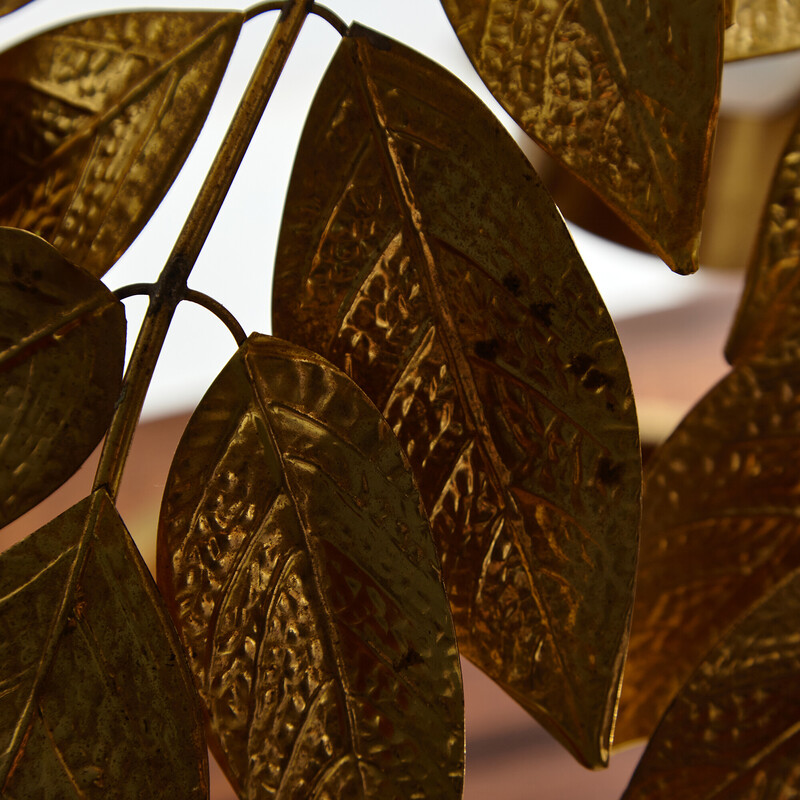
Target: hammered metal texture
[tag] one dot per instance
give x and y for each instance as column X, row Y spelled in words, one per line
column 763, row 27
column 720, row 526
column 624, row 94
column 734, row 730
column 420, row 253
column 767, row 323
column 62, row 345
column 299, row 567
column 96, row 700
column 98, row 117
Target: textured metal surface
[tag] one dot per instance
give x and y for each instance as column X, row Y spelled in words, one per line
column 763, row 27
column 719, row 527
column 420, row 253
column 734, row 729
column 767, row 324
column 98, row 117
column 62, row 344
column 96, row 700
column 300, row 570
column 623, row 94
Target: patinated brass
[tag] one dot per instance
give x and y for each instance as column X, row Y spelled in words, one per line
column 98, row 117
column 763, row 27
column 420, row 253
column 732, row 731
column 767, row 323
column 624, row 94
column 62, row 344
column 298, row 564
column 719, row 527
column 96, row 699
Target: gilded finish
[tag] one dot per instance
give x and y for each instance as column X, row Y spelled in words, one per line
column 624, row 94
column 98, row 117
column 96, row 699
column 763, row 27
column 767, row 323
column 299, row 567
column 732, row 731
column 719, row 527
column 420, row 253
column 62, row 344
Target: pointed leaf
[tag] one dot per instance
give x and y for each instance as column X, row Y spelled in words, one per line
column 623, row 94
column 720, row 526
column 763, row 27
column 98, row 117
column 420, row 253
column 95, row 698
column 768, row 320
column 734, row 729
column 300, row 569
column 62, row 344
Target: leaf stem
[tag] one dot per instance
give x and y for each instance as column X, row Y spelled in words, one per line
column 171, row 287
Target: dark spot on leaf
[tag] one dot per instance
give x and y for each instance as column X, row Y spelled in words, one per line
column 542, row 312
column 595, row 379
column 411, row 658
column 580, row 365
column 486, row 349
column 512, row 283
column 609, row 473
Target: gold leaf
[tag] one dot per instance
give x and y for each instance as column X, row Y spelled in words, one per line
column 733, row 730
column 299, row 566
column 420, row 253
column 623, row 94
column 95, row 698
column 720, row 526
column 767, row 322
column 98, row 117
column 62, row 345
column 763, row 27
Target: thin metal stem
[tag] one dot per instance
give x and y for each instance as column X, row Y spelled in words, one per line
column 331, row 18
column 219, row 311
column 133, row 289
column 171, row 287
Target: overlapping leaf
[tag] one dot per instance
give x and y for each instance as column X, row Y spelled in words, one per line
column 720, row 526
column 623, row 94
column 420, row 253
column 768, row 320
column 763, row 27
column 95, row 698
column 734, row 729
column 98, row 117
column 62, row 344
column 299, row 566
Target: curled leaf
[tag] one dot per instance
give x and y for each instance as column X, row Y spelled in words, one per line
column 720, row 527
column 734, row 729
column 96, row 699
column 62, row 344
column 763, row 27
column 420, row 253
column 98, row 117
column 624, row 95
column 300, row 570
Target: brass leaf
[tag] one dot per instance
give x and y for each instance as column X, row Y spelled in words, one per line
column 720, row 526
column 96, row 699
column 733, row 730
column 420, row 253
column 299, row 567
column 763, row 27
column 62, row 345
column 623, row 94
column 98, row 117
column 767, row 322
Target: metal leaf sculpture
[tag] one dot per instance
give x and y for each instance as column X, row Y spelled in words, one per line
column 624, row 95
column 720, row 527
column 299, row 567
column 763, row 27
column 98, row 117
column 768, row 320
column 7, row 6
column 734, row 729
column 62, row 344
column 95, row 697
column 420, row 253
